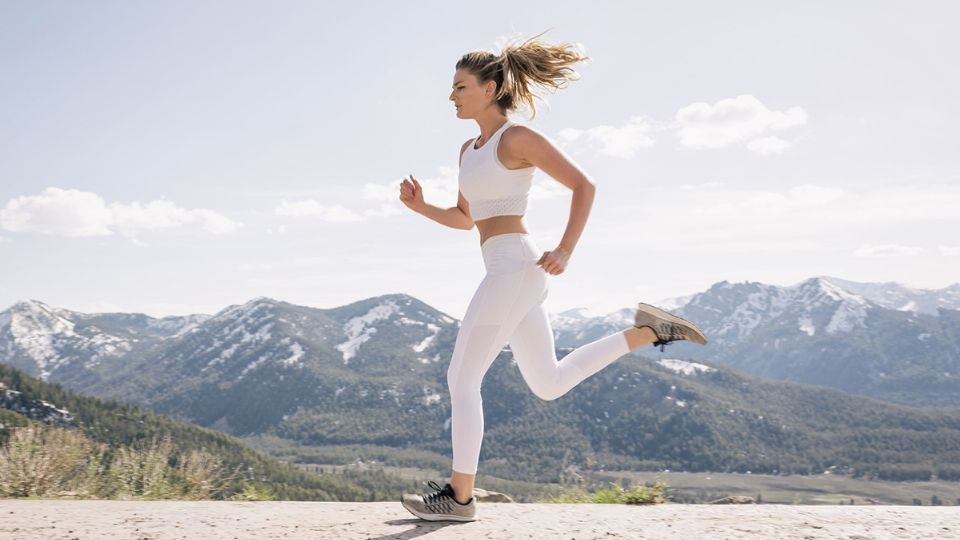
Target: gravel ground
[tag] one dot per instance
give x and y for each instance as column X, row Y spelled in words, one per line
column 212, row 520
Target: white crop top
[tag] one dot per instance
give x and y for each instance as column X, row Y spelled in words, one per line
column 490, row 188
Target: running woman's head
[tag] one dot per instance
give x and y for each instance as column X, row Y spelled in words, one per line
column 507, row 80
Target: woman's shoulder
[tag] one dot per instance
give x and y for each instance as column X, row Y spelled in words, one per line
column 521, row 135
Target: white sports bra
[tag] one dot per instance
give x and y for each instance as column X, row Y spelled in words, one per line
column 491, row 189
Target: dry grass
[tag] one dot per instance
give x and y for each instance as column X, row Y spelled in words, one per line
column 46, row 461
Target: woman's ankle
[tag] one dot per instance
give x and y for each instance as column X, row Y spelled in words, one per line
column 462, row 485
column 639, row 337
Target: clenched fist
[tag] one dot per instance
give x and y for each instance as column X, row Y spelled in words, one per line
column 555, row 262
column 411, row 194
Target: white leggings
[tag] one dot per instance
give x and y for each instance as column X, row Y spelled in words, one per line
column 508, row 308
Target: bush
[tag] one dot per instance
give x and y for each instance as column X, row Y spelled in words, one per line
column 45, row 461
column 37, row 460
column 613, row 495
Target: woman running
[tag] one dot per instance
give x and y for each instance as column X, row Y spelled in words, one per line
column 496, row 170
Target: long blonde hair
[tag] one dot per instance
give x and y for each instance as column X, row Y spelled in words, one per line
column 520, row 67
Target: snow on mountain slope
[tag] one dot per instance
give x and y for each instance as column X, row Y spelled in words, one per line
column 731, row 312
column 359, row 329
column 575, row 326
column 892, row 295
column 51, row 338
column 684, row 367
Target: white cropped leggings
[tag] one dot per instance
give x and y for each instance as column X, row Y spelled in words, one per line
column 508, row 308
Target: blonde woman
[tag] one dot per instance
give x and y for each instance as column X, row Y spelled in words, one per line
column 496, row 169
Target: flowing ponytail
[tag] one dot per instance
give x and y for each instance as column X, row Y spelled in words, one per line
column 521, row 67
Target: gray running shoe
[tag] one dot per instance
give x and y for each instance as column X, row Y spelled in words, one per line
column 667, row 327
column 440, row 505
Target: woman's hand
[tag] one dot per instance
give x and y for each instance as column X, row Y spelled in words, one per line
column 411, row 194
column 554, row 262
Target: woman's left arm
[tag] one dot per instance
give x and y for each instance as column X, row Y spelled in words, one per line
column 538, row 150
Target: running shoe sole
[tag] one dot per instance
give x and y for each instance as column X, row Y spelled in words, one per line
column 437, row 517
column 690, row 331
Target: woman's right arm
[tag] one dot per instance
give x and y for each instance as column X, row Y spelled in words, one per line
column 457, row 217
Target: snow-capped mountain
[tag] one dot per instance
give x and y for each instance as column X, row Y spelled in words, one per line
column 884, row 340
column 815, row 331
column 862, row 338
column 44, row 340
column 729, row 313
column 289, row 355
column 576, row 326
column 219, row 370
column 892, row 295
column 373, row 372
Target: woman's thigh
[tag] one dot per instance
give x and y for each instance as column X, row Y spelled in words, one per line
column 504, row 299
column 533, row 346
column 498, row 305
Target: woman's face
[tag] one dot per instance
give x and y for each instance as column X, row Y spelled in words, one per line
column 468, row 95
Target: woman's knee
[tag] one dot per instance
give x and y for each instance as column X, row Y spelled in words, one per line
column 460, row 386
column 547, row 392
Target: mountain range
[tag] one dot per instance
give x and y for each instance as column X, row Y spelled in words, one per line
column 886, row 341
column 373, row 372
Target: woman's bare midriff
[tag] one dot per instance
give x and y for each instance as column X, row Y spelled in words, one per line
column 500, row 225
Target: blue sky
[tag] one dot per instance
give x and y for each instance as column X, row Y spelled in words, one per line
column 177, row 157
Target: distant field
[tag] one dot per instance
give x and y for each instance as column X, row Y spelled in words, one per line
column 794, row 489
column 519, row 491
column 702, row 487
column 683, row 487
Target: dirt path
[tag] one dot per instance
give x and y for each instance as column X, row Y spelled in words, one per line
column 214, row 520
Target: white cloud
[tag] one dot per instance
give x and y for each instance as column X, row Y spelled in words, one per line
column 385, row 209
column 161, row 214
column 381, row 192
column 887, row 250
column 949, row 251
column 734, row 120
column 743, row 119
column 740, row 204
column 75, row 213
column 569, row 134
column 310, row 208
column 766, row 146
column 59, row 212
column 806, row 195
column 710, row 184
column 439, row 190
column 806, row 217
column 908, row 202
column 622, row 141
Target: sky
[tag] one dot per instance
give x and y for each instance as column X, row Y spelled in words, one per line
column 178, row 157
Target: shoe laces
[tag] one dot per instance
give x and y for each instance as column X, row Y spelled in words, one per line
column 440, row 498
column 661, row 344
column 668, row 333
